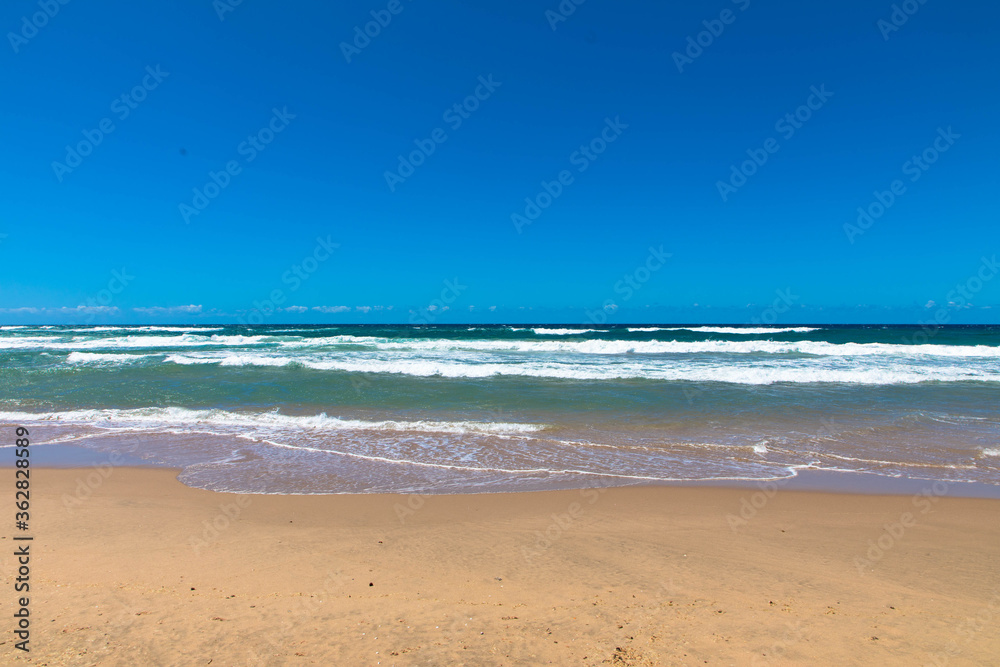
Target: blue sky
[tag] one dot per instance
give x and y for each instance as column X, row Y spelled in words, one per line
column 301, row 120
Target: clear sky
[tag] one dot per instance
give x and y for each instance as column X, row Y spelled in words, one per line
column 188, row 161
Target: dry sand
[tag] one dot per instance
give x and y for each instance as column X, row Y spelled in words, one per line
column 133, row 573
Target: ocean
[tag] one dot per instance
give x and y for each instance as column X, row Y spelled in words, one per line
column 472, row 409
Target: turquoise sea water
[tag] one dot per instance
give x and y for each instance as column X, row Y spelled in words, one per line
column 334, row 409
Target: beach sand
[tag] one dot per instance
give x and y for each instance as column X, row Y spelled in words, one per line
column 139, row 569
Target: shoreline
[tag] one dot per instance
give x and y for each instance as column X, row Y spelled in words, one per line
column 62, row 456
column 141, row 568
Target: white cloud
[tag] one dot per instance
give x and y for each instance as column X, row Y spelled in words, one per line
column 90, row 310
column 167, row 310
column 363, row 309
column 63, row 310
column 296, row 309
column 331, row 309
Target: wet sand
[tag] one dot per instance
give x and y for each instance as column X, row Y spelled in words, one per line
column 135, row 568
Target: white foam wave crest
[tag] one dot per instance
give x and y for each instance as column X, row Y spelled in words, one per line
column 610, row 347
column 741, row 374
column 592, row 346
column 124, row 327
column 99, row 358
column 561, row 332
column 991, row 452
column 144, row 328
column 816, row 348
column 737, row 330
column 184, row 417
column 131, row 342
